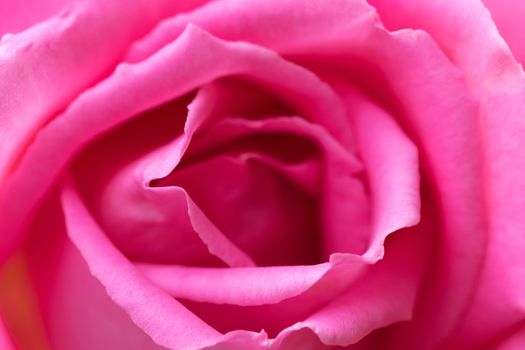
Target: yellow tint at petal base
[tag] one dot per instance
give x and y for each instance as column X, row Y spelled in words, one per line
column 18, row 306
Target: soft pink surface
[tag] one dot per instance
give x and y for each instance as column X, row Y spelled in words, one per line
column 150, row 308
column 514, row 341
column 5, row 342
column 146, row 85
column 473, row 44
column 52, row 62
column 435, row 107
column 22, row 14
column 509, row 16
column 267, row 174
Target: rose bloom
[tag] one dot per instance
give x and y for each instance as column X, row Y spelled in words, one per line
column 262, row 174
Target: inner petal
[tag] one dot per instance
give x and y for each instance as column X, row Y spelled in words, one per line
column 278, row 179
column 257, row 208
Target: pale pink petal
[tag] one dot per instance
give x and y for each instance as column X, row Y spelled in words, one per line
column 248, row 281
column 284, row 307
column 139, row 222
column 391, row 163
column 409, row 73
column 154, row 311
column 509, row 16
column 241, row 340
column 239, row 286
column 304, row 339
column 254, row 207
column 467, row 34
column 43, row 68
column 516, row 341
column 293, row 285
column 76, row 311
column 314, row 25
column 136, row 217
column 218, row 244
column 19, row 15
column 344, row 228
column 5, row 341
column 386, row 294
column 135, row 88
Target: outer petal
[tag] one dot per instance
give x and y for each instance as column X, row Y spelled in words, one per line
column 45, row 67
column 384, row 295
column 135, row 88
column 509, row 16
column 239, row 286
column 410, row 74
column 5, row 342
column 73, row 308
column 154, row 311
column 466, row 32
column 19, row 15
column 515, row 341
column 392, row 167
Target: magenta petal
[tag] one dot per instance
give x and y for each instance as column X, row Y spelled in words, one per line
column 385, row 294
column 43, row 68
column 5, row 342
column 78, row 312
column 254, row 207
column 241, row 340
column 66, row 290
column 135, row 88
column 443, row 123
column 516, row 341
column 391, row 163
column 157, row 313
column 160, row 224
column 509, row 16
column 19, row 15
column 344, row 227
column 471, row 40
column 217, row 243
column 239, row 286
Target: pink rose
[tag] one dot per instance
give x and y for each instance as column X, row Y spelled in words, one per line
column 262, row 175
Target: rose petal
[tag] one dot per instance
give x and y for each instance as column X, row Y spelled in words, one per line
column 509, row 16
column 344, row 227
column 515, row 341
column 391, row 163
column 239, row 286
column 66, row 291
column 410, row 72
column 472, row 42
column 5, row 342
column 135, row 88
column 136, row 216
column 386, row 294
column 138, row 221
column 270, row 219
column 304, row 339
column 38, row 65
column 267, row 23
column 43, row 68
column 19, row 15
column 288, row 309
column 154, row 311
column 241, row 340
column 63, row 282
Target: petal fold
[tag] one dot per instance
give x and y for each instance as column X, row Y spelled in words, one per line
column 157, row 313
